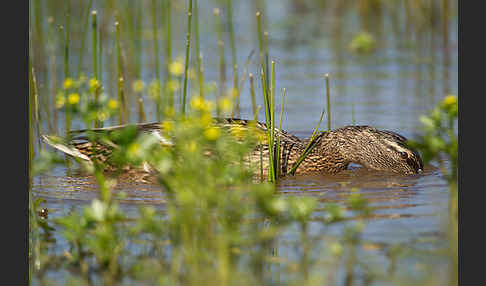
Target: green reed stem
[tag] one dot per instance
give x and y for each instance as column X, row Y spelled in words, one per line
column 188, row 45
column 121, row 99
column 265, row 38
column 66, row 64
column 260, row 39
column 34, row 117
column 141, row 112
column 94, row 34
column 235, row 93
column 269, row 99
column 197, row 48
column 35, row 246
column 253, row 100
column 156, row 55
column 32, row 92
column 231, row 32
column 201, row 75
column 94, row 41
column 328, row 99
column 169, row 53
column 310, row 145
column 83, row 38
column 234, row 62
column 245, row 71
column 268, row 115
column 272, row 121
column 52, row 63
column 138, row 41
column 221, row 62
column 277, row 148
column 100, row 57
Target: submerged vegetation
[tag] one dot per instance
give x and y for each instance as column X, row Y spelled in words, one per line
column 218, row 224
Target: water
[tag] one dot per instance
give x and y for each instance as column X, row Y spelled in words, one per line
column 413, row 67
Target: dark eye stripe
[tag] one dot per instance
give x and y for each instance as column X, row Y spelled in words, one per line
column 412, row 163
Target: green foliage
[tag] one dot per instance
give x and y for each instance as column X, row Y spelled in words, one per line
column 440, row 137
column 363, row 43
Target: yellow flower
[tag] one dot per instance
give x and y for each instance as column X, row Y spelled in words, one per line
column 94, row 83
column 450, row 100
column 73, row 98
column 197, row 103
column 167, row 126
column 449, row 104
column 68, row 83
column 138, row 85
column 176, row 68
column 112, row 104
column 212, row 133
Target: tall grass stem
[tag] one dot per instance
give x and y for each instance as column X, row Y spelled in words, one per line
column 156, row 57
column 66, row 63
column 94, row 40
column 253, row 100
column 221, row 61
column 328, row 100
column 169, row 52
column 186, row 65
column 197, row 49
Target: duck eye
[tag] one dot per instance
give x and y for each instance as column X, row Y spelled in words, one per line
column 404, row 155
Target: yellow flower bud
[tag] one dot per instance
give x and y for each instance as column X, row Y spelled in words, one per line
column 212, row 133
column 176, row 68
column 68, row 83
column 73, row 98
column 112, row 104
column 449, row 100
column 197, row 103
column 94, row 83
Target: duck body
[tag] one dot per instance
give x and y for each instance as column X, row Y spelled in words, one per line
column 333, row 150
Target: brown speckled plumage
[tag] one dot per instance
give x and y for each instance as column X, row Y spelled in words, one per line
column 334, row 150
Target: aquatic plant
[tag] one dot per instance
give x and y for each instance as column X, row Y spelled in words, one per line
column 218, row 224
column 363, row 43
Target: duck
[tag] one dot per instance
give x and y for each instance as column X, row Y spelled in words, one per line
column 332, row 151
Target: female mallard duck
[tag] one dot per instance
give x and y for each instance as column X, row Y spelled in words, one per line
column 334, row 150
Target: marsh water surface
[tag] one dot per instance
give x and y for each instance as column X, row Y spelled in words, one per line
column 412, row 68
